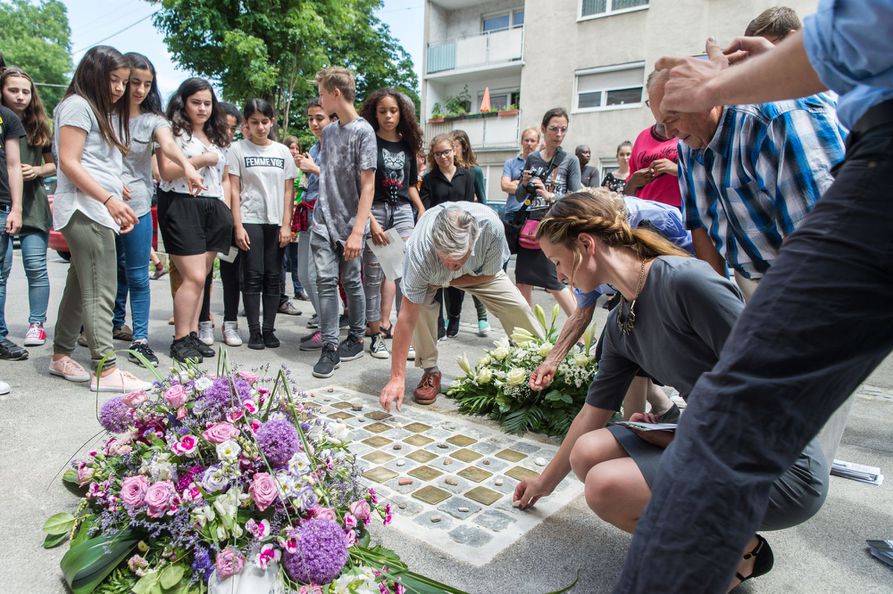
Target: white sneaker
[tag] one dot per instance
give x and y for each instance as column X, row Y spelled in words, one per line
column 410, row 356
column 377, row 348
column 231, row 334
column 4, row 388
column 206, row 332
column 120, row 382
column 36, row 335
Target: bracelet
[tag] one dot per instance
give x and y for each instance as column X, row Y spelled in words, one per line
column 110, row 196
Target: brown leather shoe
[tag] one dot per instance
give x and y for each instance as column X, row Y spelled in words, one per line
column 428, row 389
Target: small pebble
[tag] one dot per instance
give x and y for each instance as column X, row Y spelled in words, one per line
column 401, row 505
column 356, row 405
column 540, row 461
column 330, row 389
column 400, row 462
column 516, row 503
column 447, row 461
column 404, row 481
column 451, row 481
column 397, row 446
column 498, row 482
column 442, row 446
column 435, row 519
column 486, row 462
column 463, row 509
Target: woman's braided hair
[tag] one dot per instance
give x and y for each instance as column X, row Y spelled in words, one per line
column 601, row 213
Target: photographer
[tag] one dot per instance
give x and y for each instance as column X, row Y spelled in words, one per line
column 548, row 174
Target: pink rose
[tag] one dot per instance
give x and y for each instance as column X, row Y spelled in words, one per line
column 134, row 399
column 181, row 413
column 85, row 473
column 159, row 497
column 176, row 395
column 133, row 490
column 229, row 562
column 220, row 432
column 263, row 490
column 248, row 376
column 360, row 509
column 326, row 513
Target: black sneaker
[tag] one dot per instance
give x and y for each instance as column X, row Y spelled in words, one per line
column 143, row 349
column 256, row 340
column 11, row 351
column 343, row 321
column 270, row 340
column 183, row 349
column 453, row 327
column 350, row 348
column 441, row 331
column 328, row 362
column 201, row 347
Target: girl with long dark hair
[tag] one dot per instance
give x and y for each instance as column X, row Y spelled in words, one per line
column 262, row 174
column 18, row 93
column 194, row 228
column 399, row 139
column 91, row 139
column 148, row 127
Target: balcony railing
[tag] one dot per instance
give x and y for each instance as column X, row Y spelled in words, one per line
column 488, row 49
column 494, row 132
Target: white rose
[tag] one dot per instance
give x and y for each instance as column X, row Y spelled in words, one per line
column 202, row 384
column 484, row 376
column 500, row 353
column 545, row 349
column 581, row 360
column 228, row 450
column 516, row 376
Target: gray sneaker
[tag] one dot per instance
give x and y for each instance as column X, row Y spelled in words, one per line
column 377, row 348
column 350, row 348
column 328, row 362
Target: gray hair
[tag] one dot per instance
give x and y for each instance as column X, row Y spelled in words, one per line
column 657, row 77
column 454, row 232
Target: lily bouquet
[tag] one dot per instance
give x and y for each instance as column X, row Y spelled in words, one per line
column 209, row 480
column 497, row 386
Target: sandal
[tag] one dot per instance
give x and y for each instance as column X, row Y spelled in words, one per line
column 387, row 332
column 763, row 561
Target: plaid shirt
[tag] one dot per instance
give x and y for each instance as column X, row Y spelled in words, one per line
column 762, row 172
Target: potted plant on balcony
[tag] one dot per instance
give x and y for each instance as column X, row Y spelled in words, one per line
column 457, row 106
column 511, row 110
column 489, row 113
column 437, row 115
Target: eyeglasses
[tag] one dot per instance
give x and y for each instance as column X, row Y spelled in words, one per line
column 442, row 154
column 557, row 129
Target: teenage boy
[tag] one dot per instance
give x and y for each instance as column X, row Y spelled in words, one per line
column 11, row 130
column 348, row 157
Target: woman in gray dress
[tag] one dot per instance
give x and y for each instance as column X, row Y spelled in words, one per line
column 673, row 319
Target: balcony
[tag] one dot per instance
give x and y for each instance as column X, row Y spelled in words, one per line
column 500, row 50
column 486, row 132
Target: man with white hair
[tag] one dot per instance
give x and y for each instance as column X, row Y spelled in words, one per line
column 454, row 244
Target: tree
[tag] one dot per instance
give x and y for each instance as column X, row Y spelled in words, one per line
column 37, row 39
column 273, row 48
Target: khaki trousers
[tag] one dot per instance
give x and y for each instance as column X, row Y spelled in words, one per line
column 499, row 296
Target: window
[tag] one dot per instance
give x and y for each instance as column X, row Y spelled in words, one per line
column 610, row 87
column 598, row 8
column 500, row 100
column 503, row 21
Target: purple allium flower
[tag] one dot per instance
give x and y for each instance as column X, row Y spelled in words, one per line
column 278, row 441
column 219, row 399
column 321, row 555
column 114, row 416
column 202, row 563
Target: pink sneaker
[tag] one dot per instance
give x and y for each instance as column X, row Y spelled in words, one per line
column 69, row 369
column 118, row 381
column 36, row 335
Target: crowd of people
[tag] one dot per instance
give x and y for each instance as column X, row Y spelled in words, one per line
column 735, row 170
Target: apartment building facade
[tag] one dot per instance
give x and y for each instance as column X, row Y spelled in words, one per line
column 589, row 56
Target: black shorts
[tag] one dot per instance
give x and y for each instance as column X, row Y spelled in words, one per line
column 192, row 225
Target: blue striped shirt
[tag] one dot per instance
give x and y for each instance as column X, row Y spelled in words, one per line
column 762, row 172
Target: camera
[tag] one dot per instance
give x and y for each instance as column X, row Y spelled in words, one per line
column 530, row 187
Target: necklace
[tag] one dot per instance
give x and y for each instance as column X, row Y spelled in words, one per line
column 626, row 325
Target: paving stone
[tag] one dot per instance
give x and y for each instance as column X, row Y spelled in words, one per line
column 340, row 416
column 422, row 456
column 503, row 486
column 378, row 457
column 510, row 455
column 431, row 495
column 465, row 455
column 377, row 441
column 526, row 447
column 473, row 473
column 418, row 440
column 341, row 405
column 486, row 447
column 484, row 495
column 520, row 473
column 425, row 473
column 401, row 465
column 461, row 440
column 358, row 448
column 378, row 427
column 469, row 535
column 407, row 507
column 417, row 427
column 424, row 520
column 495, row 464
column 494, row 520
column 455, row 506
column 378, row 415
column 379, row 474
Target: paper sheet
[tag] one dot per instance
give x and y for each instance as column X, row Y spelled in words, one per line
column 390, row 256
column 229, row 256
column 648, row 426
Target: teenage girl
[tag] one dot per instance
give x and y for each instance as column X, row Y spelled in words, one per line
column 262, row 175
column 18, row 93
column 194, row 228
column 148, row 127
column 91, row 138
column 399, row 139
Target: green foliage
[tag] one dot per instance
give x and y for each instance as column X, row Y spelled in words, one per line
column 88, row 563
column 273, row 49
column 121, row 581
column 458, row 104
column 37, row 38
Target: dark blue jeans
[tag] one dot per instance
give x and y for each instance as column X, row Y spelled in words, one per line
column 819, row 323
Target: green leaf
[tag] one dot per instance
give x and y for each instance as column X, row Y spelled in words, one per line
column 54, row 540
column 85, row 565
column 147, row 583
column 71, row 476
column 570, row 586
column 59, row 524
column 145, row 363
column 171, row 575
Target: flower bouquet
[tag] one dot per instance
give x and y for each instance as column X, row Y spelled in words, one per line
column 223, row 483
column 498, row 385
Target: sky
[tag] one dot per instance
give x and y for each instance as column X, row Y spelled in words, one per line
column 127, row 26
